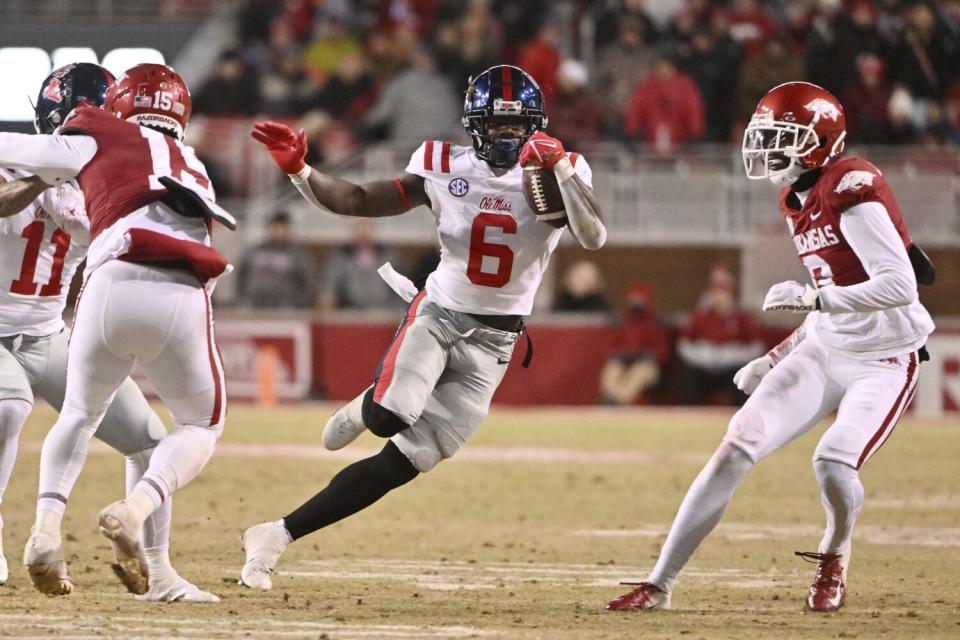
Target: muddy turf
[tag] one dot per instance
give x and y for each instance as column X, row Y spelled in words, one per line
column 525, row 535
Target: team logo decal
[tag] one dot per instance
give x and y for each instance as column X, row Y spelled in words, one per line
column 823, row 109
column 459, row 187
column 53, row 91
column 853, row 180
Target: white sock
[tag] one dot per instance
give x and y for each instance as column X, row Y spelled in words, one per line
column 48, row 523
column 62, row 457
column 156, row 528
column 354, row 409
column 841, row 493
column 13, row 414
column 158, row 559
column 701, row 510
column 179, row 457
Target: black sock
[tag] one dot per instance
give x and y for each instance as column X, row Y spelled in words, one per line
column 356, row 487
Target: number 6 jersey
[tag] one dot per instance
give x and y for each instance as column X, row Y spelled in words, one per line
column 493, row 250
column 37, row 262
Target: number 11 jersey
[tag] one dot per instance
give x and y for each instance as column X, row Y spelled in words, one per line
column 37, row 263
column 493, row 250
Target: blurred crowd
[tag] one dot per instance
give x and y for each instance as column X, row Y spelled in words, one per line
column 661, row 72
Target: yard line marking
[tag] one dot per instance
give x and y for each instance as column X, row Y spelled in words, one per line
column 480, row 454
column 742, row 531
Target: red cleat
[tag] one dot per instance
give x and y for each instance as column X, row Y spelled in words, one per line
column 645, row 596
column 829, row 588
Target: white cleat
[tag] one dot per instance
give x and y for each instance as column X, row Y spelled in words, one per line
column 263, row 544
column 4, row 570
column 43, row 558
column 345, row 425
column 118, row 525
column 170, row 587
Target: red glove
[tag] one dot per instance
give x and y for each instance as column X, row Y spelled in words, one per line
column 287, row 148
column 542, row 150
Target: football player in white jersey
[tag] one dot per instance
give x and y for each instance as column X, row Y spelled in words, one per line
column 433, row 387
column 44, row 235
column 857, row 353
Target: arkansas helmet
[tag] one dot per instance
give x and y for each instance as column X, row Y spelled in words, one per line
column 797, row 126
column 151, row 95
column 67, row 88
column 502, row 94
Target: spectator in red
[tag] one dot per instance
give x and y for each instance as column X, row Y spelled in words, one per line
column 575, row 111
column 666, row 108
column 717, row 340
column 639, row 351
column 541, row 58
column 867, row 102
column 749, row 25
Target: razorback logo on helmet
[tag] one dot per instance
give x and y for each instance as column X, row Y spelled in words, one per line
column 853, row 180
column 823, row 109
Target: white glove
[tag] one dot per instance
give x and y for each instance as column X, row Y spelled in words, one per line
column 791, row 296
column 749, row 376
column 66, row 206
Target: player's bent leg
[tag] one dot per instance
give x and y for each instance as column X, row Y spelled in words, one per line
column 842, row 495
column 699, row 513
column 353, row 489
column 166, row 585
column 13, row 415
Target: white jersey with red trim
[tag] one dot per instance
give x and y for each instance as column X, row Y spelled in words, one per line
column 37, row 262
column 493, row 250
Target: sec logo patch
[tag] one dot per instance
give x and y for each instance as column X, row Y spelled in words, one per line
column 459, row 187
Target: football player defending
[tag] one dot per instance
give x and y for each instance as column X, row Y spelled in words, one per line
column 42, row 250
column 433, row 386
column 144, row 298
column 856, row 353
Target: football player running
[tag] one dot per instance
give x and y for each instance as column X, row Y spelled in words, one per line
column 433, row 386
column 144, row 297
column 857, row 353
column 45, row 239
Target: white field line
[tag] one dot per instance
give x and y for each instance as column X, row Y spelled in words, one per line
column 479, row 454
column 744, row 532
column 456, row 575
column 204, row 628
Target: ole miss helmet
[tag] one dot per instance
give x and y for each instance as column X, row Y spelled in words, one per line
column 797, row 126
column 67, row 88
column 502, row 94
column 151, row 95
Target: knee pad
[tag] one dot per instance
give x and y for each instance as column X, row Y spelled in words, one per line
column 378, row 420
column 746, row 431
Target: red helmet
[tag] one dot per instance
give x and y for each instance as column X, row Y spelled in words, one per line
column 797, row 126
column 152, row 95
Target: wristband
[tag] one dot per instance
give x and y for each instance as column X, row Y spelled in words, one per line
column 303, row 174
column 563, row 169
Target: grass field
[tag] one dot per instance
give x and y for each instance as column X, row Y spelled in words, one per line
column 524, row 535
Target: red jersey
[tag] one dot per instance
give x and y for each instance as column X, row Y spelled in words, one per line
column 815, row 225
column 122, row 178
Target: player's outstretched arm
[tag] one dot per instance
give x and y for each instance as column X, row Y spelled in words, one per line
column 55, row 159
column 748, row 377
column 582, row 207
column 16, row 195
column 370, row 200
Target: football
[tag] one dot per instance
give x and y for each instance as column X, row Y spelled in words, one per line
column 542, row 193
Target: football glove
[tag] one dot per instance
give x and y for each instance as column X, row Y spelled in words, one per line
column 542, row 150
column 288, row 149
column 749, row 376
column 791, row 296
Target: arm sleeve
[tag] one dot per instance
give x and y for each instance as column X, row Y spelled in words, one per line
column 55, row 159
column 872, row 236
